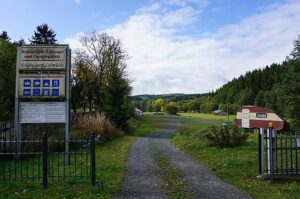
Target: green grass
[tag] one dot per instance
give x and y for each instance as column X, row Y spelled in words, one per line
column 176, row 185
column 238, row 166
column 110, row 171
column 209, row 116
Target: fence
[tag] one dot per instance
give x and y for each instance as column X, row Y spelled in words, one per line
column 44, row 158
column 281, row 154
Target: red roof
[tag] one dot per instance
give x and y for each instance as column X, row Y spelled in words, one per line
column 255, row 109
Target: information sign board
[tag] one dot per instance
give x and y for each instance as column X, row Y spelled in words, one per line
column 245, row 118
column 298, row 141
column 42, row 85
column 42, row 112
column 258, row 117
column 43, row 57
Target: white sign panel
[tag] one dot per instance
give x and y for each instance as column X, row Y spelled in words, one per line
column 42, row 85
column 298, row 141
column 245, row 118
column 43, row 58
column 42, row 112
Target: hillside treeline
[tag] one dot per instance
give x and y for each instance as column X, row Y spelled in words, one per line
column 276, row 86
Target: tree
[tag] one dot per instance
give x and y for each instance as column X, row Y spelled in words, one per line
column 291, row 87
column 43, row 35
column 4, row 36
column 117, row 104
column 101, row 69
column 194, row 105
column 8, row 54
column 101, row 52
column 172, row 108
column 84, row 83
column 259, row 99
column 149, row 107
column 20, row 42
column 296, row 51
column 158, row 104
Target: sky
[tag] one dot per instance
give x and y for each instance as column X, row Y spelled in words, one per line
column 175, row 46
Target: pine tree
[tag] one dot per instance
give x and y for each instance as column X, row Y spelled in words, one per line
column 117, row 105
column 4, row 36
column 296, row 51
column 43, row 35
column 259, row 99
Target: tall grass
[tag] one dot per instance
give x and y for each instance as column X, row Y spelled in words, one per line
column 84, row 125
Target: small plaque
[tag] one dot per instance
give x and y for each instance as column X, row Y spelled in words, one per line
column 298, row 141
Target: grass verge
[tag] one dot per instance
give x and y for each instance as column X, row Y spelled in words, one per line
column 208, row 116
column 110, row 171
column 175, row 183
column 238, row 166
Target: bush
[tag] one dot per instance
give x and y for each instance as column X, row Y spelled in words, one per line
column 171, row 108
column 84, row 125
column 226, row 136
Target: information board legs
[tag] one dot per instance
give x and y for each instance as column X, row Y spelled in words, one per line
column 261, row 150
column 270, row 155
column 17, row 130
column 67, row 123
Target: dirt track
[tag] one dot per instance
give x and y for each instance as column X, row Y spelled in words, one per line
column 143, row 176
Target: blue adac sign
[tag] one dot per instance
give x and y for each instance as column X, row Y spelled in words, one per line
column 46, row 83
column 26, row 92
column 36, row 83
column 46, row 92
column 55, row 83
column 36, row 92
column 27, row 83
column 55, row 92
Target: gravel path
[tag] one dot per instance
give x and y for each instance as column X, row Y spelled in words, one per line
column 143, row 177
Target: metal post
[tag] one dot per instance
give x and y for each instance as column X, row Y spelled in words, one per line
column 67, row 124
column 261, row 150
column 45, row 160
column 271, row 155
column 268, row 150
column 17, row 123
column 93, row 160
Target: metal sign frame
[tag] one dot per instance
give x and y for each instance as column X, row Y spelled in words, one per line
column 40, row 71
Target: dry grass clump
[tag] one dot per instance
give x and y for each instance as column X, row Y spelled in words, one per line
column 84, row 124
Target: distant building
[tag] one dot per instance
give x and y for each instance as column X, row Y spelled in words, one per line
column 139, row 112
column 219, row 112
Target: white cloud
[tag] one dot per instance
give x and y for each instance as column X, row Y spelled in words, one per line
column 162, row 63
column 96, row 14
column 182, row 3
column 74, row 41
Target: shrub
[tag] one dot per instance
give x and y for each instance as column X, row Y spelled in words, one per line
column 171, row 108
column 84, row 125
column 226, row 136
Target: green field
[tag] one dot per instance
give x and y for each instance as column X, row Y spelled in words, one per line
column 238, row 166
column 110, row 171
column 209, row 116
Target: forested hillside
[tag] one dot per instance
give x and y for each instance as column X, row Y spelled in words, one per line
column 276, row 86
